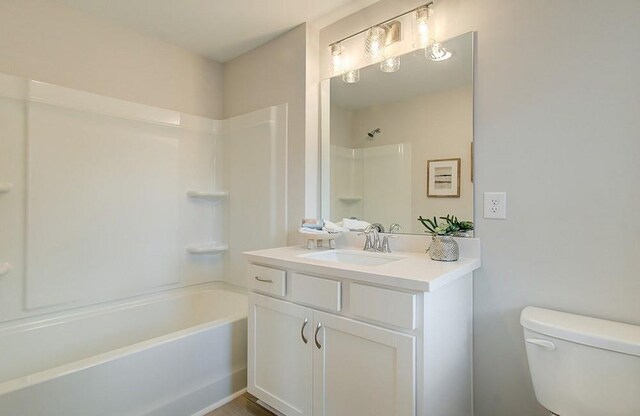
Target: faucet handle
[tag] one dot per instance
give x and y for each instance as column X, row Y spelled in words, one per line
column 368, row 243
column 385, row 247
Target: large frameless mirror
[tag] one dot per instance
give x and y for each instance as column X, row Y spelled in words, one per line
column 399, row 145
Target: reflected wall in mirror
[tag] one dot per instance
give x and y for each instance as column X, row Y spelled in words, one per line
column 383, row 131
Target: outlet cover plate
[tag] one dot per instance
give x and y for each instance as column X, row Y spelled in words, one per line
column 495, row 205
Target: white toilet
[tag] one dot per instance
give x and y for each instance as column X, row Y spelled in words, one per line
column 583, row 366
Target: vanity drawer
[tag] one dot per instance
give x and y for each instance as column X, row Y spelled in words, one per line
column 383, row 305
column 267, row 280
column 315, row 291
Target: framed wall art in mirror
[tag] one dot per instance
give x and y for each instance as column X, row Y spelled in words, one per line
column 443, row 178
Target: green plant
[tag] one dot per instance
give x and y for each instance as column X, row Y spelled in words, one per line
column 450, row 226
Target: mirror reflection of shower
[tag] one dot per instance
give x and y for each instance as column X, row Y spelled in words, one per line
column 372, row 134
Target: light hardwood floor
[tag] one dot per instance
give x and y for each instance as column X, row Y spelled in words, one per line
column 242, row 406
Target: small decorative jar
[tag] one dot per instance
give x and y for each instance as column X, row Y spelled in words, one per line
column 443, row 248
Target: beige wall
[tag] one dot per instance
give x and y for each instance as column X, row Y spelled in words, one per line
column 556, row 127
column 50, row 42
column 438, row 126
column 341, row 125
column 272, row 74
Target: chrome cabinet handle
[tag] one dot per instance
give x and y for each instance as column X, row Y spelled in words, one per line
column 263, row 280
column 316, row 335
column 304, row 339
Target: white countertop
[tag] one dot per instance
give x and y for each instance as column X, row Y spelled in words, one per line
column 415, row 271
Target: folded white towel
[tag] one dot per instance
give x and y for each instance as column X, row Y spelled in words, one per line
column 312, row 231
column 334, row 228
column 354, row 225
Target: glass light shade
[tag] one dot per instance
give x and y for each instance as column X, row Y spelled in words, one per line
column 352, row 76
column 337, row 59
column 375, row 43
column 420, row 30
column 437, row 52
column 390, row 64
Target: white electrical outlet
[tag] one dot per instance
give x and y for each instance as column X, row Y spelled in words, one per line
column 495, row 205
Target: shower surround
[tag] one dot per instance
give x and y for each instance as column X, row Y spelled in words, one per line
column 110, row 202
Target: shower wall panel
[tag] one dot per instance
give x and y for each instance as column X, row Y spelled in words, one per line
column 256, row 149
column 98, row 208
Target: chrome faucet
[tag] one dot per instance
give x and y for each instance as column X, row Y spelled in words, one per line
column 385, row 247
column 368, row 245
column 393, row 227
column 376, row 239
column 372, row 240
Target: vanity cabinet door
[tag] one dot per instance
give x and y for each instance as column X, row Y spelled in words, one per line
column 360, row 369
column 280, row 362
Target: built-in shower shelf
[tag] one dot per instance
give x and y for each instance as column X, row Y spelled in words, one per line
column 209, row 196
column 208, row 249
column 350, row 199
column 4, row 268
column 5, row 187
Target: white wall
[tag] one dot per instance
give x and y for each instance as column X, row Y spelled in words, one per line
column 274, row 74
column 50, row 42
column 556, row 127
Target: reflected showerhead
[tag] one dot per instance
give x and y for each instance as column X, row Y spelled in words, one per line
column 372, row 133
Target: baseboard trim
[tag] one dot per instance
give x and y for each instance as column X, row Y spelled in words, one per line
column 220, row 403
column 269, row 408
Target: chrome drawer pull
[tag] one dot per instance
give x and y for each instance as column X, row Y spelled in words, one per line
column 316, row 335
column 263, row 280
column 305, row 340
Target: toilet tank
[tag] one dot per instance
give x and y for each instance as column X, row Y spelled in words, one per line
column 582, row 366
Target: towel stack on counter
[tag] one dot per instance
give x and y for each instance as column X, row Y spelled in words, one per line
column 319, row 230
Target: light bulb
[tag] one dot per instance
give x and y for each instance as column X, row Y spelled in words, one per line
column 337, row 59
column 375, row 43
column 421, row 27
column 437, row 52
column 352, row 76
column 390, row 64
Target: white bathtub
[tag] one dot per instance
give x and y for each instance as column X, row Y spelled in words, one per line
column 178, row 353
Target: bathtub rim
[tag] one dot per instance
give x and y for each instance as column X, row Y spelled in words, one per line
column 22, row 382
column 68, row 315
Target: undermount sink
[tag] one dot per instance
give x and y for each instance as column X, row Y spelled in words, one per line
column 353, row 257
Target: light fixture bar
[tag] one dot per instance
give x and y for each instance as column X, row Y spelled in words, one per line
column 381, row 23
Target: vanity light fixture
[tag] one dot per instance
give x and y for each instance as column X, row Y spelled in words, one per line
column 375, row 44
column 352, row 76
column 437, row 52
column 383, row 34
column 390, row 64
column 337, row 58
column 420, row 30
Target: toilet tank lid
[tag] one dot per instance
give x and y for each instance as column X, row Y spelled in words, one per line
column 599, row 333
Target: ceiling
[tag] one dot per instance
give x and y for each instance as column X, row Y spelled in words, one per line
column 218, row 29
column 417, row 76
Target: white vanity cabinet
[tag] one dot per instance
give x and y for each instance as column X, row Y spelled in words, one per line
column 281, row 354
column 303, row 362
column 360, row 369
column 325, row 341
